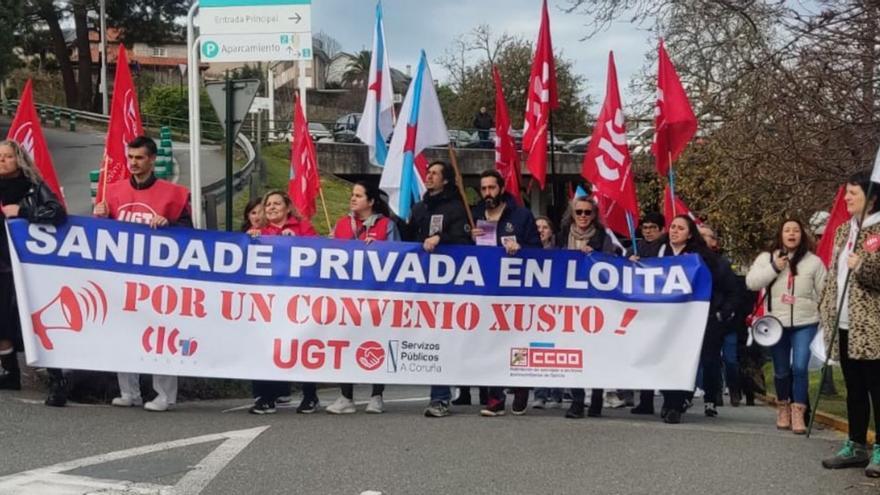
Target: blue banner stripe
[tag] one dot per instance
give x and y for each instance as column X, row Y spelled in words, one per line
column 95, row 244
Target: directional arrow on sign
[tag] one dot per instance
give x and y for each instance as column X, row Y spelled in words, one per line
column 296, row 17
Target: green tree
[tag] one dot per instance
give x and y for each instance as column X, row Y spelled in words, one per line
column 10, row 15
column 357, row 71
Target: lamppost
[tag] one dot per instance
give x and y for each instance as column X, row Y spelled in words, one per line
column 105, row 90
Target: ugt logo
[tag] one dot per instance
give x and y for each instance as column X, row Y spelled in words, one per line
column 158, row 340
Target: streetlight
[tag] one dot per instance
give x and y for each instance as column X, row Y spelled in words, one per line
column 105, row 91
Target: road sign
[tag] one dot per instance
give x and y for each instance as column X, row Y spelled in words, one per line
column 244, row 91
column 256, row 47
column 256, row 19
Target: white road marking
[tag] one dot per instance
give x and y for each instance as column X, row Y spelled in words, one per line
column 50, row 479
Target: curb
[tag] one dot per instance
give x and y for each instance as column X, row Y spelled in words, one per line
column 826, row 419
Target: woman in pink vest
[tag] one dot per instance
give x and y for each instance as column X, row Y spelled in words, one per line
column 369, row 220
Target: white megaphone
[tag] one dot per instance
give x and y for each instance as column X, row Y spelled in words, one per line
column 766, row 331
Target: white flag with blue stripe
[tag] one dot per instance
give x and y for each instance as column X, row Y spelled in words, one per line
column 377, row 121
column 419, row 126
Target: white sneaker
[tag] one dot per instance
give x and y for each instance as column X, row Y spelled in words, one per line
column 126, row 401
column 699, row 393
column 156, row 405
column 613, row 401
column 539, row 404
column 342, row 406
column 376, row 405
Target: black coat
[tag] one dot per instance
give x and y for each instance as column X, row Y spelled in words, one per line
column 37, row 203
column 448, row 212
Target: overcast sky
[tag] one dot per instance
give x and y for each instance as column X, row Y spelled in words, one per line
column 432, row 26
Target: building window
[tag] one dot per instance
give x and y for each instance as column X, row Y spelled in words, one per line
column 159, row 51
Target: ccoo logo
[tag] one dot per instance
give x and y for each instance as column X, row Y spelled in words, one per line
column 370, row 355
column 159, row 341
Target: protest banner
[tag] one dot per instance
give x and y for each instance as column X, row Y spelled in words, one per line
column 106, row 295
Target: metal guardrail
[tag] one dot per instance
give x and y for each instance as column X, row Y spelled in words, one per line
column 213, row 194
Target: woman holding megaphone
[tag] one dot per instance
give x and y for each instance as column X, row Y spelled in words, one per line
column 793, row 277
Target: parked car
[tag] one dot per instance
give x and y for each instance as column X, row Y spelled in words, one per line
column 317, row 130
column 578, row 145
column 345, row 128
column 459, row 138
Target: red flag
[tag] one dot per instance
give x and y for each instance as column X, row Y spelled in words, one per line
column 541, row 97
column 607, row 164
column 506, row 157
column 304, row 181
column 612, row 215
column 675, row 206
column 838, row 216
column 125, row 125
column 26, row 131
column 674, row 120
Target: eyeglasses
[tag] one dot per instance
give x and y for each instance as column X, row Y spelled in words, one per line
column 583, row 213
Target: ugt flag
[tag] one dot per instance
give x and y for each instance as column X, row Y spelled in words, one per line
column 506, row 156
column 125, row 125
column 26, row 131
column 541, row 97
column 304, row 183
column 674, row 120
column 419, row 126
column 377, row 121
column 607, row 164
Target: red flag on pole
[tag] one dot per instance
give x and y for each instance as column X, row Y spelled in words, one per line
column 612, row 215
column 541, row 97
column 26, row 131
column 304, row 181
column 125, row 125
column 838, row 216
column 607, row 164
column 506, row 156
column 675, row 206
column 674, row 120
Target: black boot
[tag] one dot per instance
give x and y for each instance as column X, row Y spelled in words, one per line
column 484, row 396
column 57, row 389
column 464, row 397
column 10, row 375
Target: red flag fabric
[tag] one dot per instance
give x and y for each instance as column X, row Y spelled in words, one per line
column 506, row 156
column 612, row 215
column 607, row 164
column 304, row 181
column 125, row 125
column 26, row 131
column 838, row 216
column 675, row 206
column 674, row 120
column 541, row 97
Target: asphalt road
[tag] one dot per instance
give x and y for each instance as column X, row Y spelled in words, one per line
column 402, row 452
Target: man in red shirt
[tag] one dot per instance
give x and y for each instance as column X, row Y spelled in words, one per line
column 158, row 203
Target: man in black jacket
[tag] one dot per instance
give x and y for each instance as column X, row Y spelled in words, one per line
column 439, row 218
column 483, row 123
column 514, row 228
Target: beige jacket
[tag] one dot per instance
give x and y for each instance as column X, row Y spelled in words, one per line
column 806, row 288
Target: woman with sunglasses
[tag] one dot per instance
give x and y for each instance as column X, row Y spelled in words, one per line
column 582, row 231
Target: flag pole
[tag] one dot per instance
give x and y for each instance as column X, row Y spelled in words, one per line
column 324, row 205
column 632, row 232
column 459, row 184
column 104, row 170
column 553, row 184
column 671, row 174
column 840, row 304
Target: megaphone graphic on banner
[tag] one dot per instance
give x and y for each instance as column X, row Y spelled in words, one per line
column 65, row 313
column 62, row 313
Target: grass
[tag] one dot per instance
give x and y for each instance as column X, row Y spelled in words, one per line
column 832, row 404
column 336, row 191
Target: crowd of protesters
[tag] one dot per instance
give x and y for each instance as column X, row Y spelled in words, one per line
column 798, row 291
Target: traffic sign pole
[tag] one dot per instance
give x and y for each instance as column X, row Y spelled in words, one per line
column 195, row 118
column 230, row 143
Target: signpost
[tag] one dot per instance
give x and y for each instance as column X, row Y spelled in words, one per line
column 238, row 31
column 231, row 99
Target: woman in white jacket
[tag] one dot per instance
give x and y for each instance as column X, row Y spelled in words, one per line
column 794, row 277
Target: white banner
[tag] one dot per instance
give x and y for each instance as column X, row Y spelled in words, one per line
column 104, row 295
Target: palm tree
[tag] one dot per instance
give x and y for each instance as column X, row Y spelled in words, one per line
column 357, row 71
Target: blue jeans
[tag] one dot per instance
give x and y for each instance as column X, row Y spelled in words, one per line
column 441, row 393
column 554, row 394
column 730, row 361
column 791, row 356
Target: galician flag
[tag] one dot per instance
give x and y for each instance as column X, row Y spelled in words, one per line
column 419, row 126
column 377, row 120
